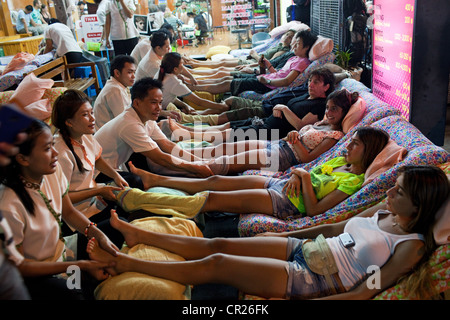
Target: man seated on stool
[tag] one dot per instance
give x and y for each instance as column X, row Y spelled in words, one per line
column 135, row 132
column 115, row 95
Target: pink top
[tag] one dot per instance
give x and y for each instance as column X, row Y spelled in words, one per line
column 312, row 137
column 294, row 63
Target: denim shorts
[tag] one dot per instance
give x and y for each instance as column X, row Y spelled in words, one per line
column 282, row 206
column 281, row 152
column 302, row 282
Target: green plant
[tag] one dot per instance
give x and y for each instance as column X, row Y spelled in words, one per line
column 343, row 58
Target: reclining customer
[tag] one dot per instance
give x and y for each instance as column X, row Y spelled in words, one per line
column 274, row 79
column 299, row 146
column 303, row 194
column 308, row 108
column 400, row 244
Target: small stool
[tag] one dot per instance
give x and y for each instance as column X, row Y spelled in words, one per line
column 218, row 28
column 85, row 72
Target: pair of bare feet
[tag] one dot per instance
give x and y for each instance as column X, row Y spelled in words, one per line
column 96, row 253
column 149, row 179
column 175, row 131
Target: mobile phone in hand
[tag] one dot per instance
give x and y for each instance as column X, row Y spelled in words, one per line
column 12, row 122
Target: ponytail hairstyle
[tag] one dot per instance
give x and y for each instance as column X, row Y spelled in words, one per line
column 64, row 108
column 343, row 99
column 9, row 175
column 169, row 62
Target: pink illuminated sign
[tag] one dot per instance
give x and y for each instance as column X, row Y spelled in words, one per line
column 393, row 23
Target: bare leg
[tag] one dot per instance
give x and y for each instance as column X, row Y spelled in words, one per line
column 196, row 247
column 211, row 74
column 249, row 160
column 259, row 276
column 192, row 186
column 229, row 63
column 230, row 149
column 221, row 87
column 210, row 134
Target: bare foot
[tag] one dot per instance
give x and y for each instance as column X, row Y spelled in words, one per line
column 173, row 125
column 179, row 132
column 148, row 179
column 98, row 254
column 127, row 230
column 356, row 73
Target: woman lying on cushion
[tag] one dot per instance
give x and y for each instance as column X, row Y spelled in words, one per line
column 301, row 146
column 400, row 243
column 321, row 189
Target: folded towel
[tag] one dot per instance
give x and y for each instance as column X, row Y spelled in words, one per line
column 160, row 203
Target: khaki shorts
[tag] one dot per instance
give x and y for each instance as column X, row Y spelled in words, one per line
column 242, row 109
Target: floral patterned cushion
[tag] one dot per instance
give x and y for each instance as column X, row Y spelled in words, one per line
column 302, row 78
column 420, row 151
column 5, row 96
column 14, row 77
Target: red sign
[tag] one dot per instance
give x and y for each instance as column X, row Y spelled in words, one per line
column 393, row 23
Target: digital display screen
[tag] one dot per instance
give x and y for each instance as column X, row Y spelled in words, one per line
column 393, row 24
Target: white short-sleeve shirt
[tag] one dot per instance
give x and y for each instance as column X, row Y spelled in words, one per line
column 88, row 152
column 127, row 134
column 101, row 14
column 149, row 65
column 122, row 28
column 172, row 87
column 38, row 235
column 62, row 38
column 141, row 49
column 112, row 100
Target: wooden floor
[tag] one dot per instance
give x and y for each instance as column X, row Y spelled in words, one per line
column 221, row 38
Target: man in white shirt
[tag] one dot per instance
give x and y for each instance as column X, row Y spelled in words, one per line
column 141, row 49
column 135, row 131
column 150, row 64
column 119, row 26
column 115, row 95
column 59, row 36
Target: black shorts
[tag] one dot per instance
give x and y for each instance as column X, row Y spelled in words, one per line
column 247, row 84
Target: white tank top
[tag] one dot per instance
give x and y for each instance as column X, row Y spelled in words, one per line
column 373, row 246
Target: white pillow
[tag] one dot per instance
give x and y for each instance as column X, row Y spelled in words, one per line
column 292, row 25
column 221, row 56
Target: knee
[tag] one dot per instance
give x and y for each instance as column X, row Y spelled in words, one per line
column 216, row 261
column 214, row 180
column 229, row 101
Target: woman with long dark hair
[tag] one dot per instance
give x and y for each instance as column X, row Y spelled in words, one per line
column 397, row 239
